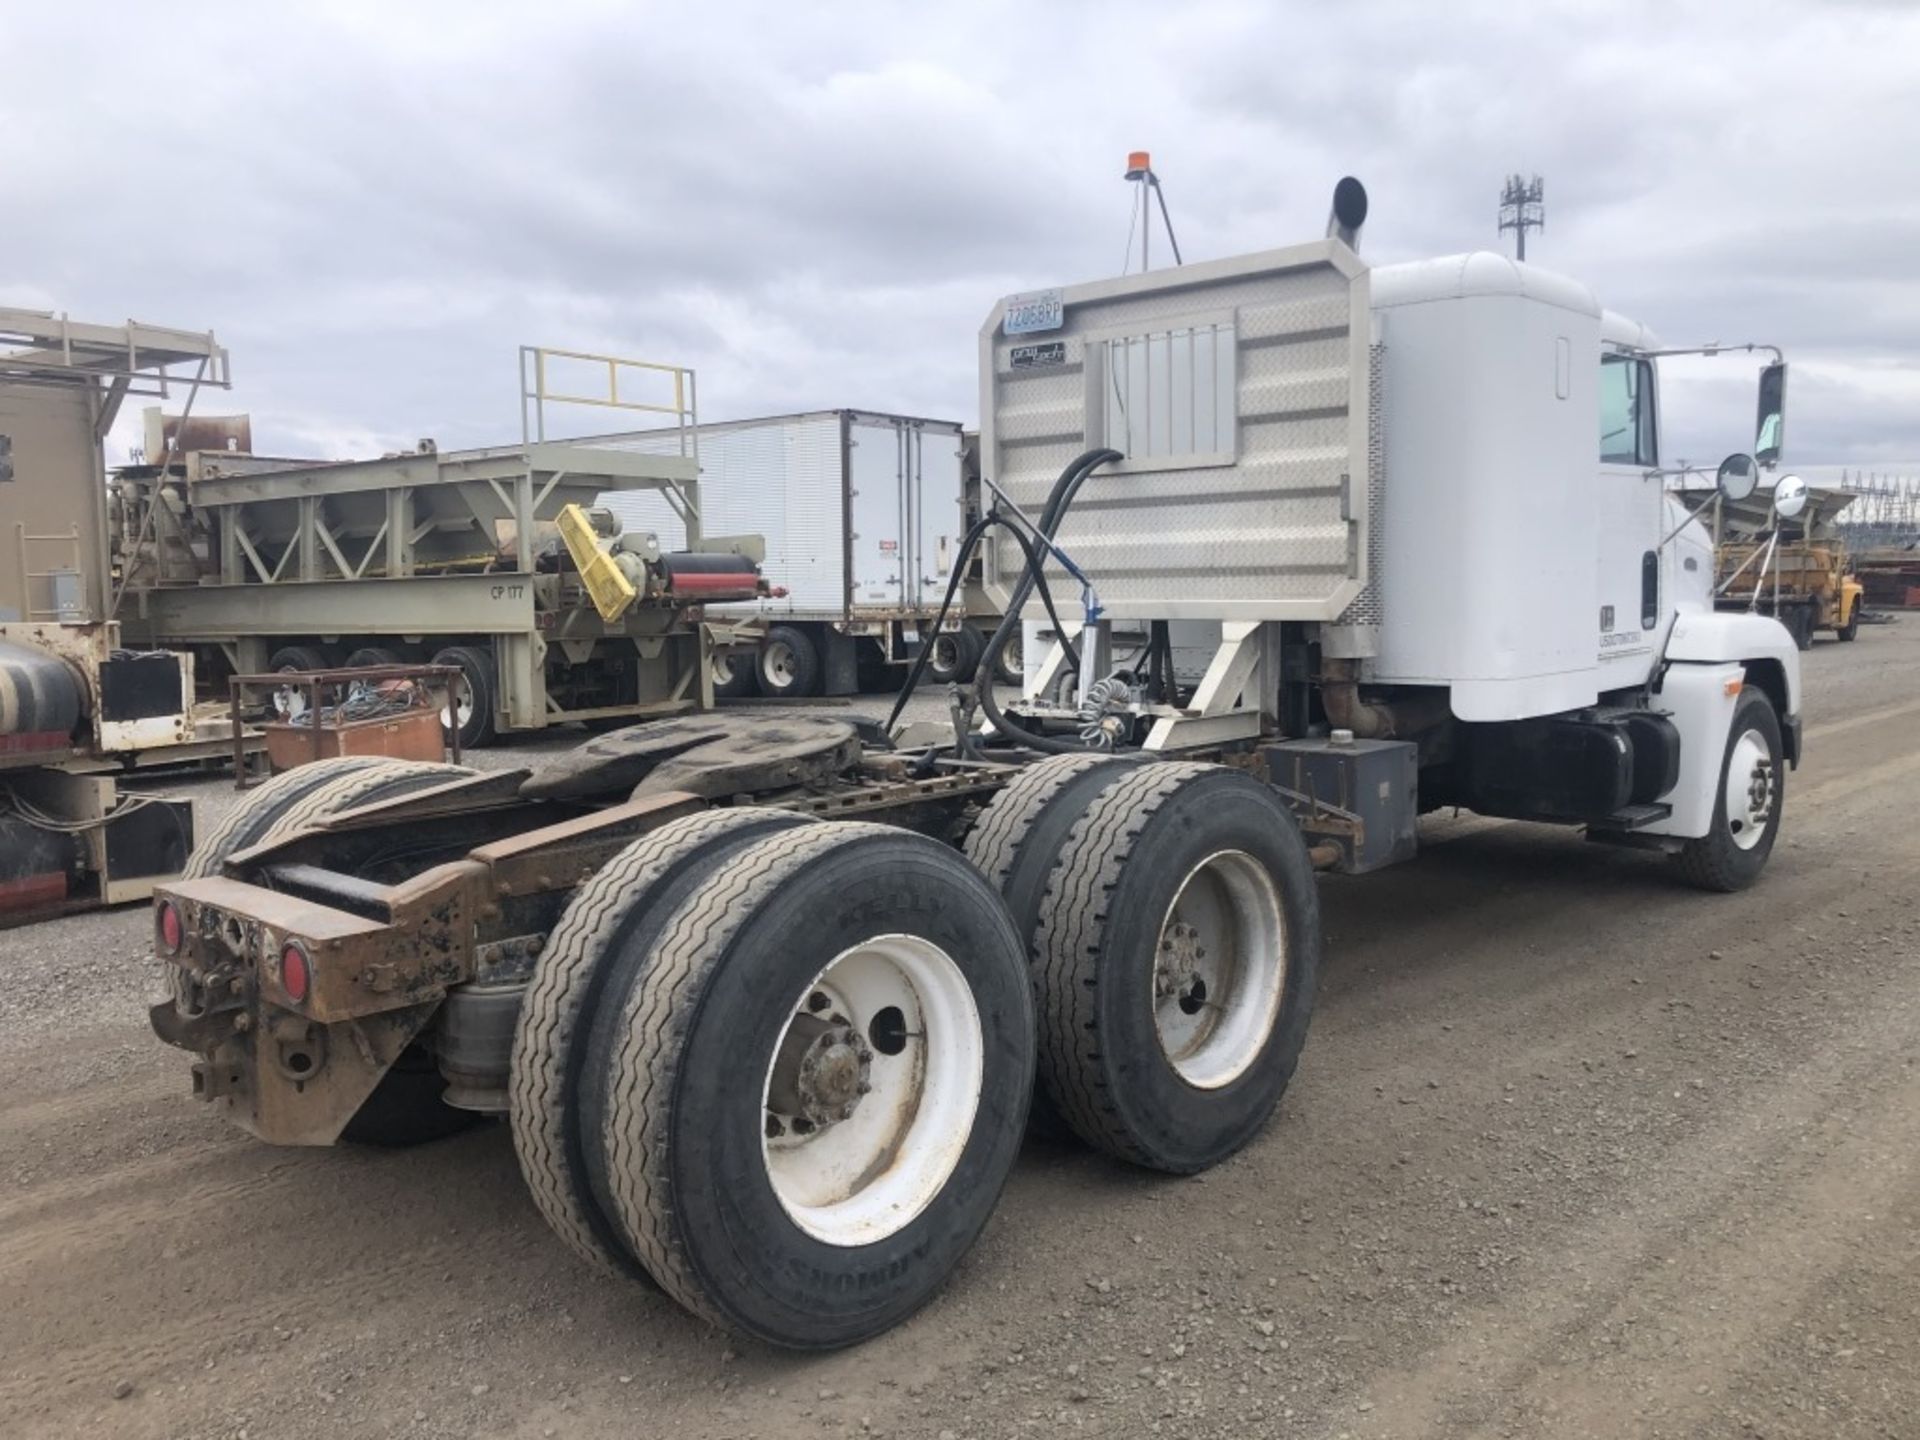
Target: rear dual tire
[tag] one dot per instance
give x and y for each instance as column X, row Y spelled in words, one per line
column 1173, row 932
column 617, row 912
column 691, row 1123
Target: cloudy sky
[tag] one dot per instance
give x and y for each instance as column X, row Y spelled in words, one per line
column 815, row 205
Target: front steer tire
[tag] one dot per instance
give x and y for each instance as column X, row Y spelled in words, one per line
column 1718, row 861
column 1175, row 873
column 704, row 1191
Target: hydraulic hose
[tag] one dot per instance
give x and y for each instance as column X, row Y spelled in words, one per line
column 1058, row 501
column 962, row 556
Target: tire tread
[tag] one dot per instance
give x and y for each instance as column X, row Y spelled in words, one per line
column 1068, row 945
column 554, row 1020
column 646, row 1059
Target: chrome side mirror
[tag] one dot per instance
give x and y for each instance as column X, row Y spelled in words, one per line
column 1770, row 426
column 1789, row 497
column 1738, row 477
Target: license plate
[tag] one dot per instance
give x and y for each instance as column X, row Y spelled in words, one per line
column 1029, row 314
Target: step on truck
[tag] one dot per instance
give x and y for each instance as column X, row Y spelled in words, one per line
column 767, row 1001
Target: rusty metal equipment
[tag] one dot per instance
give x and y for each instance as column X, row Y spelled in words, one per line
column 77, row 707
column 241, row 557
column 325, row 730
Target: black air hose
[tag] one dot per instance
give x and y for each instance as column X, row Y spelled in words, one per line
column 1058, row 501
column 962, row 556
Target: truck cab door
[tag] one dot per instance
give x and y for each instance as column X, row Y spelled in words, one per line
column 1628, row 512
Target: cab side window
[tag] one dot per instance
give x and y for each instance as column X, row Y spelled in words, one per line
column 1626, row 412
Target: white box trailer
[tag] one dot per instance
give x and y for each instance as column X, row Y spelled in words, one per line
column 861, row 514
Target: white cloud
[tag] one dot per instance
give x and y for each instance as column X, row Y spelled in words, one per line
column 375, row 204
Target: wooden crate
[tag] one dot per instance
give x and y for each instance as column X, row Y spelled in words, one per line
column 410, row 735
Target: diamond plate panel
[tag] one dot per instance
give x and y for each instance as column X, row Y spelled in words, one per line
column 1279, row 532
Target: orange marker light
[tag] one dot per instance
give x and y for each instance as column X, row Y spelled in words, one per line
column 1139, row 162
column 1734, row 687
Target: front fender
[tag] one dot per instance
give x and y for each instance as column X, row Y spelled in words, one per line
column 1713, row 636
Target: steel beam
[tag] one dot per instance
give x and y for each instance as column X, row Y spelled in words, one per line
column 422, row 605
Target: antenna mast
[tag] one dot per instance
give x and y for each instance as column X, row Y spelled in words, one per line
column 1523, row 207
column 1140, row 172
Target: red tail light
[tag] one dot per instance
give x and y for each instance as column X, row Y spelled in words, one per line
column 170, row 928
column 296, row 973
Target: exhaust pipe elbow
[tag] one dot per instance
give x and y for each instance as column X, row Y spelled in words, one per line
column 1374, row 719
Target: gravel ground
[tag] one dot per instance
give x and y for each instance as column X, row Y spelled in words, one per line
column 1572, row 1152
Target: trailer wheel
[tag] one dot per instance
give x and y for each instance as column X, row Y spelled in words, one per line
column 1747, row 805
column 290, row 702
column 1009, row 666
column 1178, row 952
column 369, row 655
column 475, row 694
column 618, row 909
column 732, row 676
column 817, row 1086
column 1016, row 843
column 789, row 664
column 954, row 656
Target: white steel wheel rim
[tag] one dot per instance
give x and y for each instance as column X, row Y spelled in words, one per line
column 946, row 652
column 776, row 663
column 462, row 709
column 289, row 702
column 1750, row 789
column 1010, row 653
column 863, row 1178
column 1220, row 968
column 722, row 669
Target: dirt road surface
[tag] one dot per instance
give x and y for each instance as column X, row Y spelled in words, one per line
column 1572, row 1152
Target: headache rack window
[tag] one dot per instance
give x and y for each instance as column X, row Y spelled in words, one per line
column 1166, row 397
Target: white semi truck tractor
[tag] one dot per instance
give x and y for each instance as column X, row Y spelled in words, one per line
column 1427, row 507
column 767, row 1000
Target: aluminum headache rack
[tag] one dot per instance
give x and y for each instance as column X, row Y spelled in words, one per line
column 1239, row 392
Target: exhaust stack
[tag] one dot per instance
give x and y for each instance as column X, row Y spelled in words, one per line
column 1349, row 213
